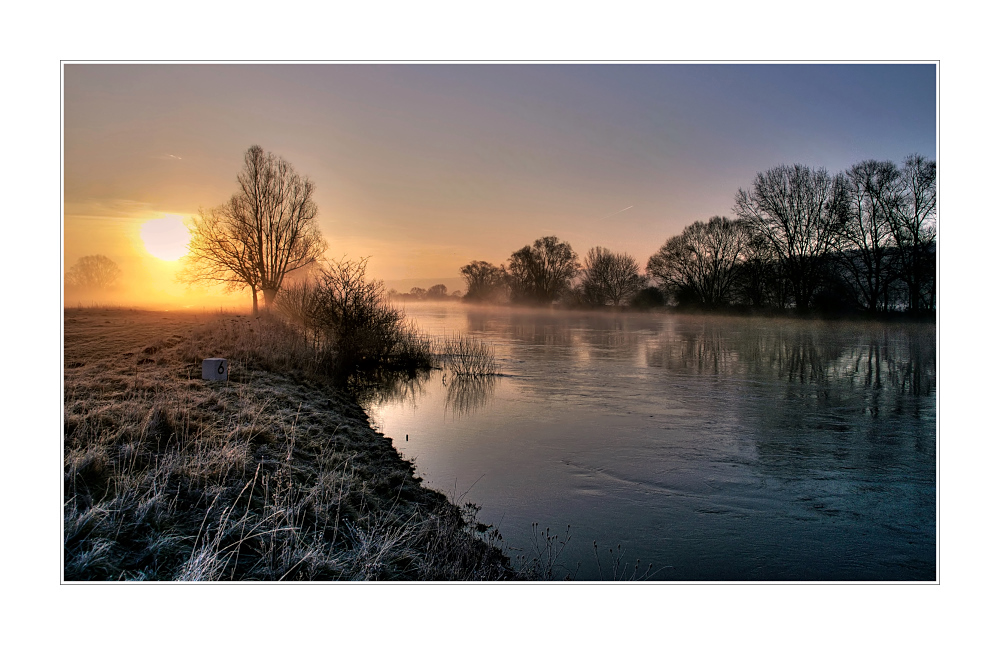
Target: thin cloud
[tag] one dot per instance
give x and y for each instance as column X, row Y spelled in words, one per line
column 115, row 209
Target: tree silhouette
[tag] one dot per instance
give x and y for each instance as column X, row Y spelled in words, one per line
column 874, row 194
column 702, row 263
column 437, row 292
column 93, row 273
column 610, row 278
column 484, row 282
column 914, row 231
column 760, row 282
column 266, row 229
column 540, row 273
column 800, row 211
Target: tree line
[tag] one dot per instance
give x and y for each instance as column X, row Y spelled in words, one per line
column 801, row 239
column 435, row 292
column 863, row 240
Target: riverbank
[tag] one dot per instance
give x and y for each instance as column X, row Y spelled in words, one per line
column 271, row 475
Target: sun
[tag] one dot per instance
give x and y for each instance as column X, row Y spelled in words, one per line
column 166, row 237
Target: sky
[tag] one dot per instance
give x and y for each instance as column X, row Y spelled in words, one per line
column 424, row 168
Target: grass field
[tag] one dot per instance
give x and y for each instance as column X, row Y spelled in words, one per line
column 274, row 474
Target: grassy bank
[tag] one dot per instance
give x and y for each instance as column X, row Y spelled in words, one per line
column 273, row 475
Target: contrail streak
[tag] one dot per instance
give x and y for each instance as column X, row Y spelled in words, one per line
column 616, row 212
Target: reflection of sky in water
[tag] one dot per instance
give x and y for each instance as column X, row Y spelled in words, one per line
column 716, row 448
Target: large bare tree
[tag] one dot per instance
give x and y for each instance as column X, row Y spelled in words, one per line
column 266, row 229
column 800, row 211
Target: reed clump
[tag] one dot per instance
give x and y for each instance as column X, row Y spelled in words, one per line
column 467, row 356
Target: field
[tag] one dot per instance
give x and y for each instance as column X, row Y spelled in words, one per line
column 275, row 474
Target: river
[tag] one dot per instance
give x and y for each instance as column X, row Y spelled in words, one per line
column 711, row 448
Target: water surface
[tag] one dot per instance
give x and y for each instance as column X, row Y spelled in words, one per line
column 713, row 448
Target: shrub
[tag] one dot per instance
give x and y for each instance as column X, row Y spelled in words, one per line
column 351, row 324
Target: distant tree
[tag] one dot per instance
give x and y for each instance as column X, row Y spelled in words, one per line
column 418, row 294
column 484, row 282
column 93, row 273
column 266, row 229
column 875, row 193
column 914, row 231
column 800, row 212
column 701, row 265
column 437, row 292
column 610, row 278
column 540, row 273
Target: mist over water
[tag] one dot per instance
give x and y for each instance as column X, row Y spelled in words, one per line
column 714, row 448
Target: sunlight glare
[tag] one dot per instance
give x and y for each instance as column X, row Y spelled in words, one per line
column 165, row 237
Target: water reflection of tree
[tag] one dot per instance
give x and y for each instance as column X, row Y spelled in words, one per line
column 847, row 423
column 540, row 331
column 541, row 334
column 622, row 335
column 900, row 360
column 875, row 357
column 379, row 388
column 468, row 395
column 702, row 351
column 794, row 354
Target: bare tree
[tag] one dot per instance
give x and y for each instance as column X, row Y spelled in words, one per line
column 610, row 278
column 93, row 273
column 875, row 193
column 702, row 262
column 914, row 231
column 540, row 273
column 484, row 282
column 800, row 212
column 266, row 229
